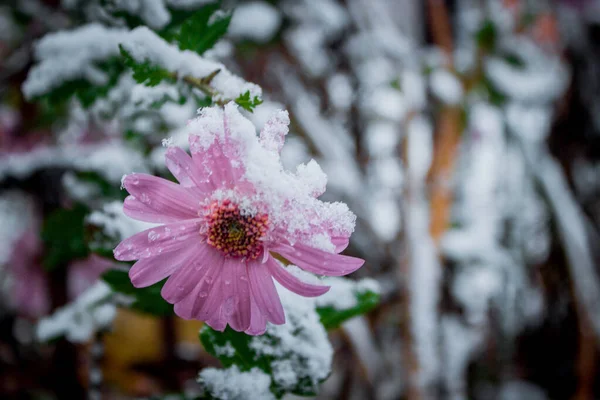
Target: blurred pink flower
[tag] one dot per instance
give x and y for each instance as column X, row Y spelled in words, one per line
column 233, row 207
column 30, row 292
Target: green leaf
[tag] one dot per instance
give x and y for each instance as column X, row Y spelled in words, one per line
column 365, row 301
column 486, row 36
column 145, row 72
column 147, row 300
column 247, row 103
column 63, row 234
column 204, row 28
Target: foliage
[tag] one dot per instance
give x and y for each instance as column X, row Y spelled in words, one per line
column 203, row 29
column 333, row 318
column 248, row 103
column 63, row 234
column 147, row 300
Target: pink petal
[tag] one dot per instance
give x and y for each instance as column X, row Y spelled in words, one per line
column 258, row 322
column 30, row 290
column 209, row 287
column 340, row 243
column 185, row 308
column 84, row 273
column 187, row 172
column 264, row 293
column 290, row 282
column 135, row 209
column 149, row 271
column 236, row 294
column 223, row 174
column 318, row 261
column 162, row 196
column 218, row 322
column 158, row 240
column 188, row 276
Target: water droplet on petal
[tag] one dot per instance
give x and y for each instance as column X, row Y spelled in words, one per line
column 180, row 288
column 203, row 294
column 208, row 279
column 228, row 306
column 227, row 282
column 243, row 278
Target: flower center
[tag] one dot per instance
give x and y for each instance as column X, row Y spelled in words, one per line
column 235, row 234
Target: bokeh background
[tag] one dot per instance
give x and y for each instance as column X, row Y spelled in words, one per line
column 465, row 135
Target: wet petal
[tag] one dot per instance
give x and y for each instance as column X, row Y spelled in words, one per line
column 187, row 172
column 149, row 271
column 258, row 322
column 162, row 196
column 292, row 283
column 264, row 293
column 236, row 294
column 318, row 261
column 158, row 240
column 188, row 276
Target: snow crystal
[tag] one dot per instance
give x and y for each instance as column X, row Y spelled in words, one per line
column 233, row 384
column 69, row 55
column 145, row 45
column 344, row 291
column 300, row 345
column 255, row 20
column 227, row 350
column 78, row 321
column 111, row 160
column 273, row 133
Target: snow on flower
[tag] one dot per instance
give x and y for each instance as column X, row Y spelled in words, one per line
column 233, row 209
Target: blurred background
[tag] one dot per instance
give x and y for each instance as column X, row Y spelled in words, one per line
column 465, row 135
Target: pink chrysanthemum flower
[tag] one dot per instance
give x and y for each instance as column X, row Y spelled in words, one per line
column 234, row 207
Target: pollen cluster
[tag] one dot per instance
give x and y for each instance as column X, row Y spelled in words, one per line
column 234, row 234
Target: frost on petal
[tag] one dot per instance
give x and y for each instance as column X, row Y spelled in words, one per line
column 318, row 261
column 293, row 283
column 187, row 172
column 273, row 133
column 217, row 140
